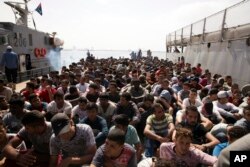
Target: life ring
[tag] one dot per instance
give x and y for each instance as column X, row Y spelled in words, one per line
column 37, row 52
column 43, row 52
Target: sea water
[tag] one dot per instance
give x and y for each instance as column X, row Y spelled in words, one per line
column 70, row 56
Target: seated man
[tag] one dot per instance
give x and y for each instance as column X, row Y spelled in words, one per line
column 192, row 101
column 115, row 152
column 75, row 143
column 72, row 96
column 122, row 122
column 36, row 131
column 79, row 111
column 246, row 100
column 36, row 104
column 82, row 86
column 200, row 134
column 146, row 109
column 4, row 139
column 210, row 112
column 128, row 107
column 113, row 92
column 245, row 121
column 227, row 110
column 183, row 153
column 58, row 105
column 92, row 93
column 98, row 124
column 29, row 89
column 183, row 94
column 242, row 144
column 4, row 106
column 137, row 91
column 47, row 93
column 13, row 119
column 234, row 133
column 159, row 129
column 106, row 108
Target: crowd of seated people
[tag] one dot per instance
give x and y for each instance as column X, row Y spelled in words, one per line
column 118, row 112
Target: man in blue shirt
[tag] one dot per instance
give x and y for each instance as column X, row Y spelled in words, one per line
column 10, row 61
column 233, row 134
column 97, row 123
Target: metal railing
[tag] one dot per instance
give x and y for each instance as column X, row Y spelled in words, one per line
column 26, row 75
column 215, row 28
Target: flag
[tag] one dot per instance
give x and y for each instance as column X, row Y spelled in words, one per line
column 39, row 9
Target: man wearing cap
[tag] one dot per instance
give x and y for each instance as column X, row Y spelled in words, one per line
column 228, row 111
column 10, row 61
column 74, row 143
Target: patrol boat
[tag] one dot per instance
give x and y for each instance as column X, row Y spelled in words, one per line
column 220, row 42
column 38, row 52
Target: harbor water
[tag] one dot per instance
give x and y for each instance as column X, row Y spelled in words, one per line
column 69, row 56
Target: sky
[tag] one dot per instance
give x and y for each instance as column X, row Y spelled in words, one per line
column 117, row 24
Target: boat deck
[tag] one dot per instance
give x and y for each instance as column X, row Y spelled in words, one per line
column 21, row 85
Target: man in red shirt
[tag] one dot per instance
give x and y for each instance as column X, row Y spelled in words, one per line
column 46, row 94
column 30, row 89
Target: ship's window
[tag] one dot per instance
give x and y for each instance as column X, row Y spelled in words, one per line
column 30, row 40
column 209, row 45
column 248, row 41
column 3, row 40
column 15, row 36
column 46, row 40
column 51, row 41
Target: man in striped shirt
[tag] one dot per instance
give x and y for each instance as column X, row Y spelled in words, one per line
column 159, row 129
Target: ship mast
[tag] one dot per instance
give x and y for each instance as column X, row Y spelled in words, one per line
column 20, row 11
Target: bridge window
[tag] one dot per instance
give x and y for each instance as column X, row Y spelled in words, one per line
column 30, row 40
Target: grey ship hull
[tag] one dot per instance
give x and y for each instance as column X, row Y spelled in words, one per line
column 25, row 41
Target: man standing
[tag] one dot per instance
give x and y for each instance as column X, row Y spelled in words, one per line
column 10, row 61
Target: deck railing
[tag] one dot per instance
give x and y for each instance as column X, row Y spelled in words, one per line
column 26, row 75
column 221, row 26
